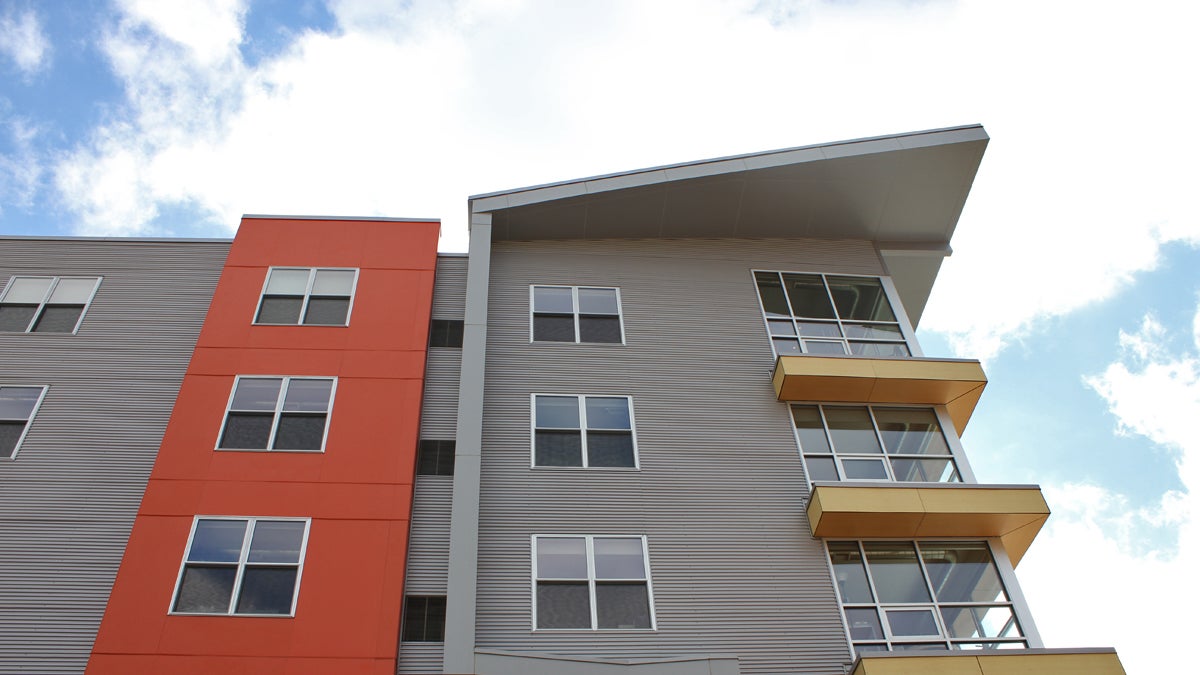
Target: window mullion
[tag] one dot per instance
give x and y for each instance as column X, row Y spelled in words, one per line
column 591, row 570
column 575, row 311
column 887, row 462
column 312, row 278
column 583, row 436
column 241, row 568
column 283, row 387
column 837, row 458
column 837, row 316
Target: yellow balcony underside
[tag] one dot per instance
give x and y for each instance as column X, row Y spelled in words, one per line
column 1014, row 514
column 1016, row 662
column 954, row 383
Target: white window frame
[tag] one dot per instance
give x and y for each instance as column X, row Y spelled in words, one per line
column 591, row 568
column 575, row 312
column 312, row 277
column 1016, row 599
column 37, row 314
column 242, row 564
column 965, row 474
column 581, row 400
column 29, row 420
column 889, row 289
column 278, row 411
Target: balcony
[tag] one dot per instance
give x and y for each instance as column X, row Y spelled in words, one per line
column 1015, row 662
column 954, row 383
column 1014, row 513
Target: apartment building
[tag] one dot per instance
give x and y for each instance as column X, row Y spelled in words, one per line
column 673, row 420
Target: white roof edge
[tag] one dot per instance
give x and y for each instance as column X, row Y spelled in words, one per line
column 263, row 216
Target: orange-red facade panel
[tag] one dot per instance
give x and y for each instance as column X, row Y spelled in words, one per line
column 357, row 491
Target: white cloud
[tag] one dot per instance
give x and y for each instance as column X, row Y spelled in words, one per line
column 20, row 170
column 23, row 41
column 1091, row 578
column 210, row 30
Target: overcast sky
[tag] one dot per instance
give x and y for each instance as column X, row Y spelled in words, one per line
column 1076, row 273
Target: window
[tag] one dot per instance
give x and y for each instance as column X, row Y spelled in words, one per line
column 278, row 413
column 17, row 407
column 903, row 595
column 242, row 566
column 583, row 431
column 424, row 618
column 45, row 304
column 592, row 582
column 446, row 333
column 576, row 314
column 843, row 442
column 435, row 458
column 308, row 296
column 825, row 314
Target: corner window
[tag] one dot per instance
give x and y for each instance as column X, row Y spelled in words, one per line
column 45, row 304
column 845, row 442
column 575, row 314
column 583, row 431
column 435, row 458
column 17, row 407
column 424, row 618
column 278, row 413
column 445, row 333
column 904, row 595
column 830, row 315
column 242, row 566
column 592, row 582
column 309, row 296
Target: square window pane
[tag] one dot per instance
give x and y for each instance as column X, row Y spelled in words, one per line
column 864, row 624
column 912, row 623
column 58, row 319
column 848, row 572
column 563, row 605
column 597, row 301
column 618, row 558
column 16, row 318
column 424, row 619
column 860, row 298
column 879, row 349
column 911, row 431
column 851, row 430
column 287, row 282
column 256, row 394
column 557, row 448
column 267, row 590
column 602, row 329
column 607, row 412
column 326, row 311
column 279, row 309
column 217, row 540
column 276, row 541
column 553, row 300
column 823, row 347
column 10, row 434
column 810, row 429
column 610, row 449
column 557, row 412
column 16, row 403
column 962, row 571
column 925, row 470
column 307, row 395
column 333, row 282
column 28, row 290
column 73, row 291
column 864, row 469
column 300, row 432
column 562, row 558
column 247, row 431
column 819, row 329
column 446, row 333
column 622, row 606
column 205, row 590
column 820, row 468
column 894, row 569
column 554, row 327
column 436, row 458
column 808, row 295
column 980, row 622
column 787, row 346
column 770, row 291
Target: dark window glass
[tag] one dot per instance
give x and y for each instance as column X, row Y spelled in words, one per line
column 879, row 349
column 554, row 327
column 808, row 295
column 898, row 577
column 435, row 458
column 558, row 448
column 267, row 590
column 205, row 589
column 610, row 448
column 327, row 311
column 820, row 468
column 16, row 317
column 771, row 292
column 10, row 433
column 58, row 319
column 280, row 309
column 299, row 432
column 446, row 333
column 247, row 431
column 622, row 605
column 860, row 299
column 810, row 428
column 563, row 605
column 218, row 541
column 599, row 329
column 424, row 619
column 864, row 624
column 848, row 572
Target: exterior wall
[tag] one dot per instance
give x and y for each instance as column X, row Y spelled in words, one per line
column 720, row 478
column 358, row 492
column 69, row 498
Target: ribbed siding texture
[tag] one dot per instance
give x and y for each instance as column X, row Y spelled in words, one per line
column 450, row 287
column 420, row 658
column 721, row 491
column 68, row 500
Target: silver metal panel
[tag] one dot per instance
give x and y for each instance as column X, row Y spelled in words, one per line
column 68, row 500
column 429, row 538
column 450, row 287
column 721, row 490
column 420, row 658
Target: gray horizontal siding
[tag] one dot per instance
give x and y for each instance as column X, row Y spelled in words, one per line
column 439, row 408
column 450, row 287
column 69, row 498
column 721, row 490
column 420, row 658
column 429, row 538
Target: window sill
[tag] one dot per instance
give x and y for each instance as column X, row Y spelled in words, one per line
column 272, row 451
column 235, row 616
column 624, row 469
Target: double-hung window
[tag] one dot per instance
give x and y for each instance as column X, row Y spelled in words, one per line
column 583, row 431
column 904, row 595
column 242, row 566
column 855, row 442
column 312, row 296
column 591, row 582
column 278, row 413
column 575, row 314
column 45, row 304
column 17, row 407
column 827, row 314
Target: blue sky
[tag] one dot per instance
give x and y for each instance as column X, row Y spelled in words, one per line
column 1076, row 273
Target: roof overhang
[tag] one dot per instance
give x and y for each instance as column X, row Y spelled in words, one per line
column 904, row 193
